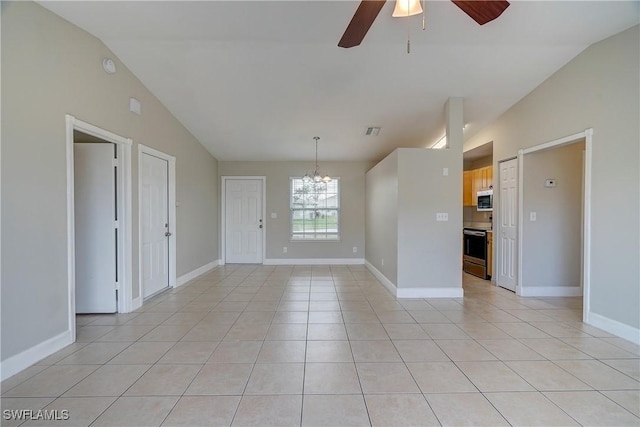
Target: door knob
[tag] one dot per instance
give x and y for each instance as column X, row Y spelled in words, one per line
column 167, row 234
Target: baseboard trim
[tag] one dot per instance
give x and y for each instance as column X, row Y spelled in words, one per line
column 550, row 291
column 197, row 272
column 313, row 261
column 136, row 303
column 614, row 327
column 381, row 278
column 430, row 293
column 23, row 360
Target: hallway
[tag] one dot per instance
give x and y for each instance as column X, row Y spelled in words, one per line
column 328, row 345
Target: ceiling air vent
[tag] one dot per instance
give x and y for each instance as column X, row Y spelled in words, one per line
column 372, row 131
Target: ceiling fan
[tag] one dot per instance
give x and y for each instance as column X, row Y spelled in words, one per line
column 481, row 11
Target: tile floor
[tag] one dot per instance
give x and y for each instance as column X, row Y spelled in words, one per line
column 329, row 346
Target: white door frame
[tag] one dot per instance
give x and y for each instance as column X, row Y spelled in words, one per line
column 223, row 216
column 171, row 164
column 587, row 136
column 123, row 147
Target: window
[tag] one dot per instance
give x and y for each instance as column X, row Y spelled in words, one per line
column 315, row 210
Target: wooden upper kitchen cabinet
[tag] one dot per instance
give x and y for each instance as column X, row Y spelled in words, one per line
column 473, row 181
column 467, row 179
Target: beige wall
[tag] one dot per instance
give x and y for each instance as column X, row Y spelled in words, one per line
column 598, row 89
column 552, row 250
column 352, row 188
column 51, row 68
column 382, row 217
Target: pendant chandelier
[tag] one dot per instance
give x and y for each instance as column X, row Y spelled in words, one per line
column 316, row 176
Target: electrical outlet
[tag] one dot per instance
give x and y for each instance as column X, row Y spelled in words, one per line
column 355, row 249
column 445, row 171
column 382, row 262
column 442, row 216
column 274, row 215
column 284, row 249
column 533, row 216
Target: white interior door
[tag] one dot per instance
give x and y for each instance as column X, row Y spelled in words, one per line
column 154, row 213
column 243, row 221
column 95, row 228
column 508, row 231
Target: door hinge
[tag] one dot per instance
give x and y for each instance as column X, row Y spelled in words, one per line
column 116, row 224
column 116, row 163
column 117, row 286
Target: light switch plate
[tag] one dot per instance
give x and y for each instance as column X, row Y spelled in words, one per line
column 274, row 215
column 442, row 216
column 533, row 216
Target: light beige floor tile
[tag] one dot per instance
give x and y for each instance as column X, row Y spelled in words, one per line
column 374, row 351
column 141, row 353
column 628, row 399
column 366, row 331
column 345, row 410
column 203, row 410
column 483, row 331
column 150, row 318
column 325, row 317
column 400, row 410
column 545, row 376
column 404, row 331
column 598, row 375
column 444, row 331
column 593, row 409
column 276, row 378
column 136, row 412
column 510, row 350
column 529, row 409
column 326, row 332
column 420, row 351
column 358, row 316
column 493, row 376
column 108, row 380
column 554, row 349
column 262, row 317
column 284, row 331
column 126, row 333
column 247, row 331
column 293, row 305
column 269, row 411
column 51, row 382
column 331, row 378
column 419, row 305
column 385, row 378
column 282, row 352
column 16, row 406
column 429, row 316
column 558, row 329
column 205, row 331
column 465, row 409
column 82, row 411
column 291, row 317
column 315, row 305
column 167, row 333
column 440, row 377
column 521, row 330
column 598, row 348
column 395, row 316
column 328, row 351
column 164, row 380
column 184, row 352
column 630, row 367
column 461, row 317
column 620, row 342
column 464, row 350
column 21, row 377
column 221, row 317
column 236, row 352
column 95, row 353
column 221, row 379
column 91, row 332
column 61, row 354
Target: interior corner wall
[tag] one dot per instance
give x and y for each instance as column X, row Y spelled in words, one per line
column 352, row 209
column 381, row 220
column 51, row 68
column 429, row 251
column 552, row 250
column 597, row 89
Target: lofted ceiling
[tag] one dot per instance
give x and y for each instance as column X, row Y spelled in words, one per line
column 257, row 80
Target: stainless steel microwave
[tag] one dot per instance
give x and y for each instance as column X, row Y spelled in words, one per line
column 485, row 200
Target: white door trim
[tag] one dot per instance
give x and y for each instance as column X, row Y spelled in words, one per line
column 223, row 219
column 171, row 162
column 587, row 136
column 123, row 146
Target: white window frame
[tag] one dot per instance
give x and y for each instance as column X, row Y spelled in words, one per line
column 314, row 239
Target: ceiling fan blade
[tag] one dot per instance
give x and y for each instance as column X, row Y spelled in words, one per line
column 482, row 11
column 361, row 22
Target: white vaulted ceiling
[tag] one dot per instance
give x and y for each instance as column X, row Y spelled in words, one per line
column 258, row 80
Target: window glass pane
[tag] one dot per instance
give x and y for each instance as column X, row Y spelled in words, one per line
column 314, row 210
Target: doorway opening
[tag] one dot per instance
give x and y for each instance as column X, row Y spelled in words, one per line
column 115, row 178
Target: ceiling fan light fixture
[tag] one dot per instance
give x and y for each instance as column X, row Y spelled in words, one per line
column 406, row 8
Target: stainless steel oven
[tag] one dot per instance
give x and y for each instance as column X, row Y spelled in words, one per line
column 474, row 260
